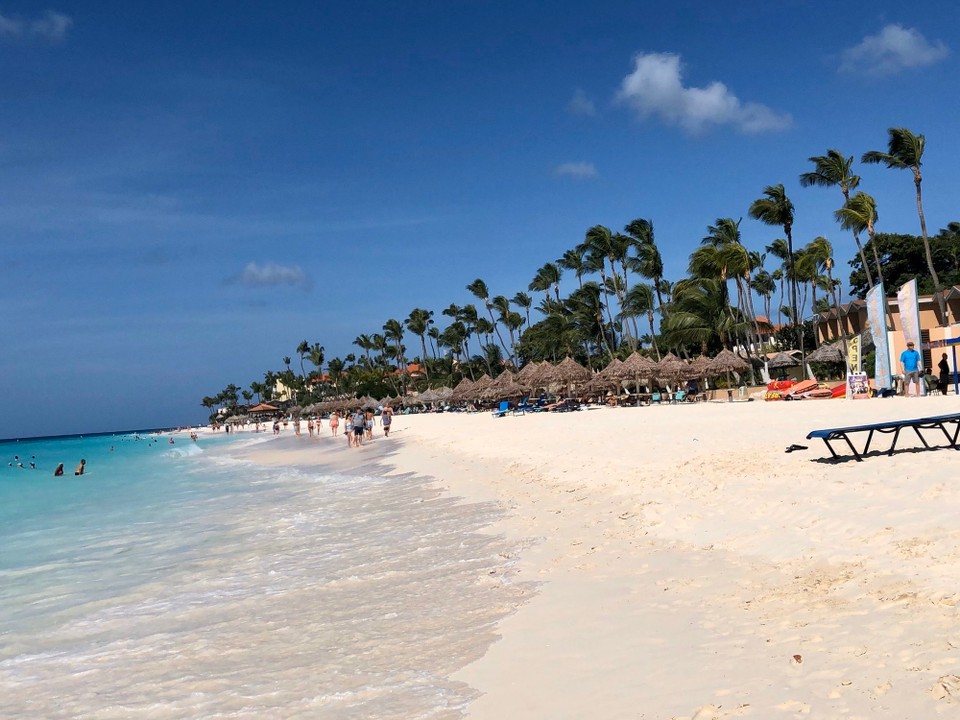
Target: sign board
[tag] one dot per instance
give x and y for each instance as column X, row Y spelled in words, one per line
column 858, row 386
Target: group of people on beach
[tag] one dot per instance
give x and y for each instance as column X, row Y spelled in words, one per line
column 358, row 425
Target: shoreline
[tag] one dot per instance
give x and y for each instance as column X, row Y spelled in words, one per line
column 688, row 568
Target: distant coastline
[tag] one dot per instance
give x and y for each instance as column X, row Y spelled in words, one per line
column 71, row 436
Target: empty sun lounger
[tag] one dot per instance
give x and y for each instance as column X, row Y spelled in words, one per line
column 503, row 409
column 946, row 424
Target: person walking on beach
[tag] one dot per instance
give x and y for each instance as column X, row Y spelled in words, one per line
column 386, row 418
column 368, row 424
column 310, row 427
column 944, row 367
column 81, row 467
column 334, row 422
column 910, row 363
column 359, row 426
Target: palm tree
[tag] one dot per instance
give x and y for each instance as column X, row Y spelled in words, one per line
column 365, row 343
column 479, row 289
column 834, row 169
column 573, row 260
column 639, row 301
column 335, row 369
column 418, row 322
column 302, row 349
column 775, row 208
column 547, row 278
column 860, row 213
column 648, row 261
column 905, row 152
column 597, row 248
column 524, row 302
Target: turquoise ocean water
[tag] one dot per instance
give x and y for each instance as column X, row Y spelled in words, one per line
column 176, row 581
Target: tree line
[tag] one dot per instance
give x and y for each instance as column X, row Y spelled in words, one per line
column 616, row 300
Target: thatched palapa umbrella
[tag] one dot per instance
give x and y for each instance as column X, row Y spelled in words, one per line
column 671, row 368
column 571, row 373
column 827, row 353
column 635, row 368
column 459, row 393
column 782, row 360
column 726, row 362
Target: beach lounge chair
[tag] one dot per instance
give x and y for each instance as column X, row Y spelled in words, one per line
column 503, row 409
column 939, row 422
column 656, row 398
column 680, row 397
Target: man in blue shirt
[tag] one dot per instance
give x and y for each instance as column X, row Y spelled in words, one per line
column 910, row 363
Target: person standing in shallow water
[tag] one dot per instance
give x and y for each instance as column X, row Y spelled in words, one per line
column 59, row 471
column 80, row 468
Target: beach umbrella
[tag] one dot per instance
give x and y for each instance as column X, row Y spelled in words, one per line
column 727, row 362
column 570, row 373
column 475, row 390
column 671, row 368
column 526, row 371
column 782, row 360
column 827, row 353
column 539, row 376
column 459, row 392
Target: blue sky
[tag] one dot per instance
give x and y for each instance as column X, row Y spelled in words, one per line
column 188, row 190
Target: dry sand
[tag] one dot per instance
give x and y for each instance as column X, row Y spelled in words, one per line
column 690, row 568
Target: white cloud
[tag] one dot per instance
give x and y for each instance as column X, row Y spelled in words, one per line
column 655, row 89
column 577, row 169
column 271, row 275
column 52, row 27
column 580, row 104
column 893, row 49
column 10, row 27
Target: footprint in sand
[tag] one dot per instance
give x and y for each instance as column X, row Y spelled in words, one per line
column 947, row 688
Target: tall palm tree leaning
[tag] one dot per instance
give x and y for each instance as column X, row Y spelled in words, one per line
column 776, row 209
column 859, row 214
column 905, row 152
column 834, row 169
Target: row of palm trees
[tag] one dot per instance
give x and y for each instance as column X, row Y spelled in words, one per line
column 619, row 289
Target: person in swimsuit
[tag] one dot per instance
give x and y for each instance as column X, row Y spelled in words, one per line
column 334, row 422
column 80, row 468
column 59, row 471
column 386, row 418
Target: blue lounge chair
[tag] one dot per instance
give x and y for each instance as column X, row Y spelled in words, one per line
column 943, row 423
column 503, row 409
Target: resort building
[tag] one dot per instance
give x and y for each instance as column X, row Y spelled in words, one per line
column 851, row 319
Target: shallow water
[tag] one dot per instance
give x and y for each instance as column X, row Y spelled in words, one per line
column 176, row 581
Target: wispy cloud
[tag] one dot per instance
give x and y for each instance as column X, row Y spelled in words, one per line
column 581, row 105
column 52, row 27
column 576, row 169
column 271, row 275
column 655, row 89
column 893, row 49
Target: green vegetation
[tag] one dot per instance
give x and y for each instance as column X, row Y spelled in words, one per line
column 615, row 293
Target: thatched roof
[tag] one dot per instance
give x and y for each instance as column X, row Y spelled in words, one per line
column 638, row 366
column 827, row 353
column 782, row 360
column 727, row 361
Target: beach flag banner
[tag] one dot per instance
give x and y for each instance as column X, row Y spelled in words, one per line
column 853, row 354
column 910, row 318
column 877, row 317
column 853, row 363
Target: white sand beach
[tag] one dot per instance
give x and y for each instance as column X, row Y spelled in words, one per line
column 688, row 567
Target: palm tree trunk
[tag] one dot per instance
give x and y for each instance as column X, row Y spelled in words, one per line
column 926, row 247
column 863, row 257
